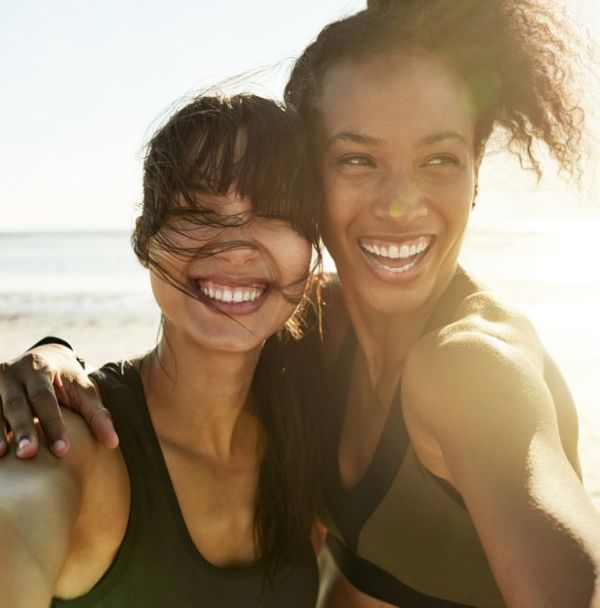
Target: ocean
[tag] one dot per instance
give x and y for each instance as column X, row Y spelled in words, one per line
column 89, row 288
column 61, row 274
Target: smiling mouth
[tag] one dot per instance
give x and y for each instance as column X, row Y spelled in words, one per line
column 232, row 296
column 396, row 257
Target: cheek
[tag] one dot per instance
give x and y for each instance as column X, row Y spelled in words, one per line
column 341, row 207
column 299, row 252
column 345, row 199
column 167, row 297
column 455, row 203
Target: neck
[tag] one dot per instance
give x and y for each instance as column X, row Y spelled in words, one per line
column 386, row 339
column 200, row 399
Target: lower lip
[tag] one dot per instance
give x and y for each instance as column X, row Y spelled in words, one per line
column 392, row 275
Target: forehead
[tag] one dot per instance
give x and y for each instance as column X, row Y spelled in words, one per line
column 394, row 95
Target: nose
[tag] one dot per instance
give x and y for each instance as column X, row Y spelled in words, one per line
column 399, row 198
column 238, row 253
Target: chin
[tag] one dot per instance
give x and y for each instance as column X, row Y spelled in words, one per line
column 407, row 302
column 238, row 339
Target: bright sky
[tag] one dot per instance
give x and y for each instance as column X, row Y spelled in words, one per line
column 84, row 82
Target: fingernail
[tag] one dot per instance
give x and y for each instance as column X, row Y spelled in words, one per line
column 59, row 446
column 23, row 443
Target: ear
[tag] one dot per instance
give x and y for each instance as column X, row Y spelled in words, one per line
column 475, row 193
column 478, row 160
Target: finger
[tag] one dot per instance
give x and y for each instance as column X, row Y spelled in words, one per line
column 44, row 404
column 3, row 435
column 19, row 416
column 96, row 415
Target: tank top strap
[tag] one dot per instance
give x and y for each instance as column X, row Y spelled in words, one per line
column 459, row 288
column 123, row 395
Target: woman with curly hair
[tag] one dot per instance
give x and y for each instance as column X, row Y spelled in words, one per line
column 453, row 476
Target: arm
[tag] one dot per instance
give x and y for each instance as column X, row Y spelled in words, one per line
column 32, row 385
column 39, row 506
column 487, row 405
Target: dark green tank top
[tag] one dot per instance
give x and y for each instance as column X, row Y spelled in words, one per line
column 157, row 564
column 403, row 535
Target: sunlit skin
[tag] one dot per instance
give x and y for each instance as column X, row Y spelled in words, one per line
column 271, row 257
column 399, row 165
column 403, row 171
column 485, row 407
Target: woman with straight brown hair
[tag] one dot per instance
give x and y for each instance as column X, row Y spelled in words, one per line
column 210, row 499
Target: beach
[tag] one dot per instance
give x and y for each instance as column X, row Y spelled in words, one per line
column 88, row 289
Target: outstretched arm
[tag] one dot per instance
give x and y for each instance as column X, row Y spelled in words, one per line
column 489, row 408
column 32, row 385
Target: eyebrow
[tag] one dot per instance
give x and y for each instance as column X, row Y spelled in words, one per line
column 437, row 137
column 355, row 137
column 360, row 138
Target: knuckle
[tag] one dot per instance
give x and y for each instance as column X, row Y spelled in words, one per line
column 37, row 362
column 52, row 422
column 13, row 404
column 100, row 412
column 40, row 396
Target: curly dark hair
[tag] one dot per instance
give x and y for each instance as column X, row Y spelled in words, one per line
column 513, row 55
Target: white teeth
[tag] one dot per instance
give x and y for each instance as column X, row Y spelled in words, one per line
column 395, row 252
column 233, row 294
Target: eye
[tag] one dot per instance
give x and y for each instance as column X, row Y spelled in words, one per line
column 442, row 160
column 355, row 160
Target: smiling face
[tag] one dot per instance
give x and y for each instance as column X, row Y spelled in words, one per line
column 399, row 173
column 242, row 290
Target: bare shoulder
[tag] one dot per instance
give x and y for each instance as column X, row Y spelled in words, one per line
column 40, row 501
column 489, row 329
column 485, row 315
column 23, row 481
column 484, row 331
column 484, row 371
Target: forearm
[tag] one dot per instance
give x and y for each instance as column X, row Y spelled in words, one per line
column 557, row 574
